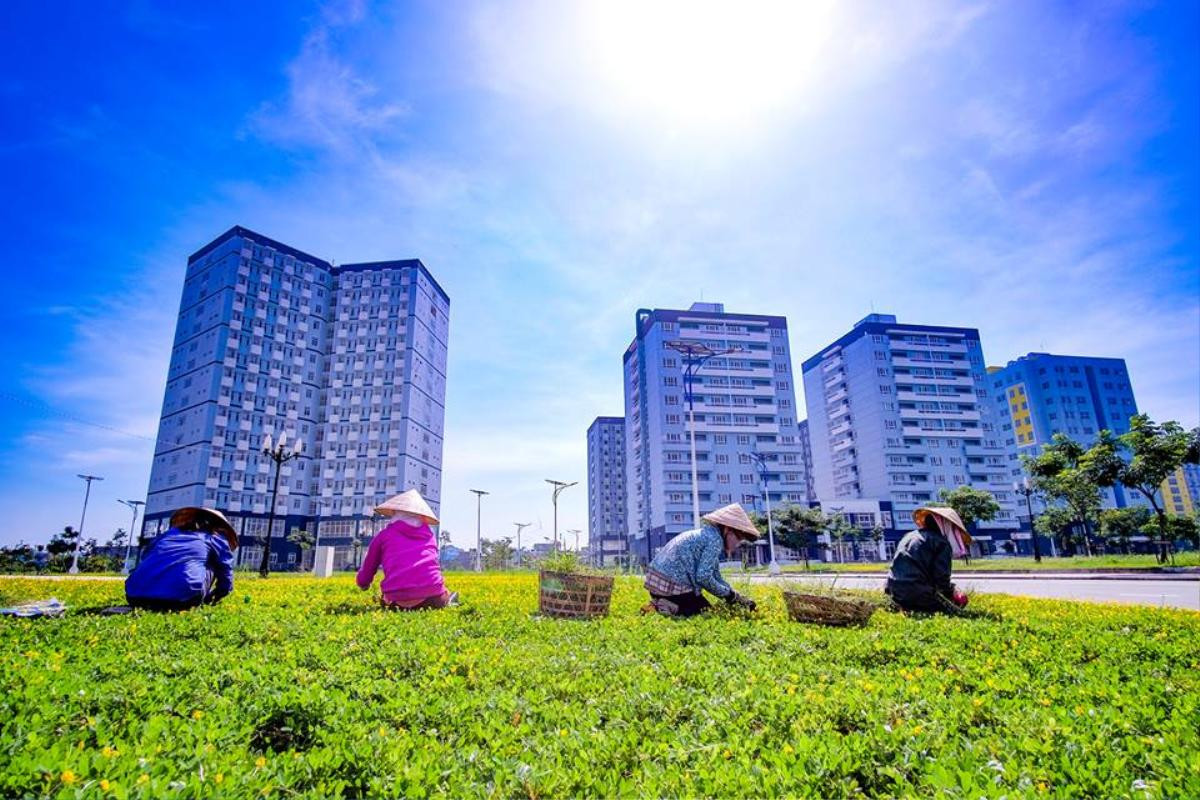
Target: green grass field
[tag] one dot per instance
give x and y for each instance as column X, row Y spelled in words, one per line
column 1048, row 564
column 295, row 687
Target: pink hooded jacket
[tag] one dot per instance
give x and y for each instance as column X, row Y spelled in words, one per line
column 409, row 556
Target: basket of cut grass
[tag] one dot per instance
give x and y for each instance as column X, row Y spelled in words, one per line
column 826, row 609
column 569, row 590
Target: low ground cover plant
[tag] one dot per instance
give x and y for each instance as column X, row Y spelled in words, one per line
column 295, row 687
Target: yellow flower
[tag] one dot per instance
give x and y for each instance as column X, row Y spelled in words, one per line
column 197, row 714
column 260, row 762
column 1045, row 701
column 104, row 785
column 218, row 777
column 143, row 778
column 977, row 702
column 108, row 752
column 67, row 776
column 787, row 748
column 1042, row 786
column 916, row 729
column 728, row 753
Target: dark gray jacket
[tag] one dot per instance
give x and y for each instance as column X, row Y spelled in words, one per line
column 921, row 567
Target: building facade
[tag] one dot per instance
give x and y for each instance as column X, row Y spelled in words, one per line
column 1039, row 395
column 897, row 412
column 607, row 533
column 349, row 361
column 744, row 406
column 1181, row 491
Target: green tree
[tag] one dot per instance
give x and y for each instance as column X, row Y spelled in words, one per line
column 1063, row 473
column 877, row 538
column 1054, row 523
column 497, row 554
column 973, row 505
column 63, row 543
column 304, row 539
column 1142, row 459
column 1119, row 525
column 838, row 528
column 795, row 526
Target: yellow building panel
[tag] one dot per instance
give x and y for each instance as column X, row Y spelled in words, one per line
column 1018, row 410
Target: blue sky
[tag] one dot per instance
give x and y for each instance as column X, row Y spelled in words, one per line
column 1026, row 168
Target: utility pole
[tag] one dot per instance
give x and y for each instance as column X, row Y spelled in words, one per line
column 1027, row 490
column 559, row 487
column 74, row 570
column 761, row 460
column 479, row 493
column 694, row 355
column 133, row 504
column 520, row 527
column 280, row 456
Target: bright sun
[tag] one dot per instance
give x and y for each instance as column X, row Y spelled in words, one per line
column 706, row 62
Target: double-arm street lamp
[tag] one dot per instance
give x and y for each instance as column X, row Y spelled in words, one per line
column 479, row 493
column 280, row 455
column 694, row 355
column 1027, row 490
column 520, row 527
column 74, row 570
column 559, row 487
column 133, row 504
column 761, row 460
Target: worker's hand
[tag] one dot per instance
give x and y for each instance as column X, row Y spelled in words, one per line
column 742, row 600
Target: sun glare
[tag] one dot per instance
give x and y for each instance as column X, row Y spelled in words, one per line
column 706, row 62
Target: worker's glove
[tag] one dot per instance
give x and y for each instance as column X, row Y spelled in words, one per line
column 960, row 598
column 736, row 599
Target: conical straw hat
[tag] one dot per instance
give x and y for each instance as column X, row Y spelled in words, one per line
column 733, row 516
column 409, row 502
column 213, row 519
column 946, row 513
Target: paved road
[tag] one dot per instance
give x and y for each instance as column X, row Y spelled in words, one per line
column 1151, row 592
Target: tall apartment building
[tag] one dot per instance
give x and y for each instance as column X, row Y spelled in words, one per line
column 1040, row 394
column 744, row 403
column 806, row 450
column 898, row 412
column 1181, row 491
column 348, row 360
column 607, row 533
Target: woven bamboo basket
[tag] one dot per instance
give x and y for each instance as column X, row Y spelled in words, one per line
column 825, row 610
column 573, row 596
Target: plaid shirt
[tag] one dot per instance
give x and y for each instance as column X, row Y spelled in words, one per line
column 662, row 586
column 688, row 563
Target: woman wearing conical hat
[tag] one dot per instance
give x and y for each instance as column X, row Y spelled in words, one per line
column 407, row 552
column 689, row 564
column 189, row 565
column 919, row 579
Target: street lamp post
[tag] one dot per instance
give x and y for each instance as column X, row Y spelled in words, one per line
column 280, row 455
column 133, row 504
column 520, row 527
column 694, row 355
column 761, row 460
column 479, row 493
column 575, row 531
column 559, row 487
column 74, row 570
column 1027, row 490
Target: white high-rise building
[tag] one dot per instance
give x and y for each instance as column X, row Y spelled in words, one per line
column 898, row 412
column 744, row 404
column 607, row 533
column 349, row 360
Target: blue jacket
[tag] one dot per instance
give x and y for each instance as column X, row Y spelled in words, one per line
column 693, row 559
column 183, row 566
